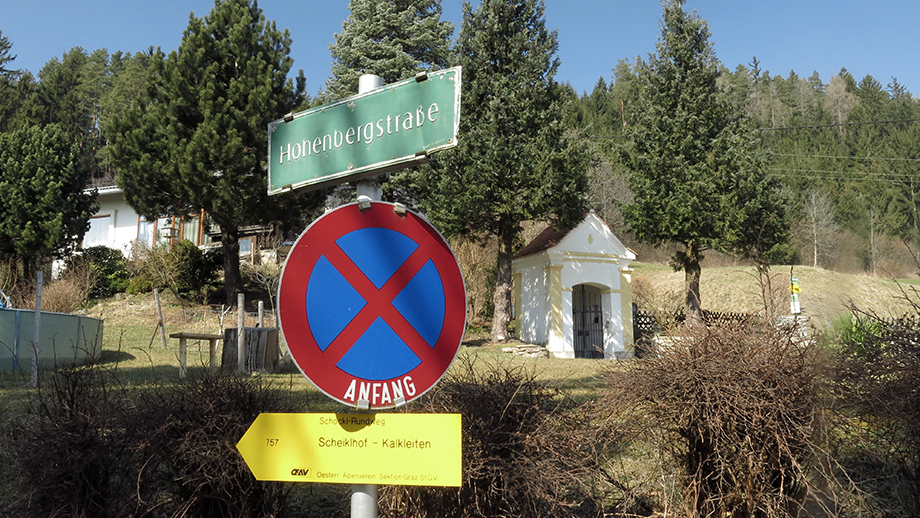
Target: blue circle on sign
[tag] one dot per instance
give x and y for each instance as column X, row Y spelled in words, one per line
column 379, row 353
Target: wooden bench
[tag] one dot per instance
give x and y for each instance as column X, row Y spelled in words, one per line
column 183, row 346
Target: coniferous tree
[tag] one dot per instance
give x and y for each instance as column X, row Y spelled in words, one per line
column 196, row 139
column 9, row 76
column 515, row 160
column 44, row 210
column 695, row 174
column 394, row 39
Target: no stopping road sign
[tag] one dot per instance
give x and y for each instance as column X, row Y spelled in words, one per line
column 372, row 305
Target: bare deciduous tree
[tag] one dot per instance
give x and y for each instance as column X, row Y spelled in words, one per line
column 839, row 100
column 819, row 228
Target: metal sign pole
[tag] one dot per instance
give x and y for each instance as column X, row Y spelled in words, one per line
column 364, row 501
column 364, row 496
column 36, row 333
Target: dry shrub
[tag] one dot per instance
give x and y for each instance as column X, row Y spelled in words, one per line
column 72, row 453
column 153, row 267
column 266, row 276
column 8, row 278
column 63, row 295
column 774, row 293
column 877, row 379
column 660, row 300
column 738, row 410
column 71, row 291
column 92, row 447
column 477, row 262
column 528, row 451
column 189, row 462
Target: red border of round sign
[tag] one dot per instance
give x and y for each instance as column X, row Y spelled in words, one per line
column 314, row 243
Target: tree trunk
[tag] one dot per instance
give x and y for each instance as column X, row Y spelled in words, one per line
column 230, row 244
column 502, row 296
column 692, row 272
column 814, row 239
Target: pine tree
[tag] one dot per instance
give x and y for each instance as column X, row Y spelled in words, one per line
column 9, row 76
column 515, row 160
column 696, row 176
column 196, row 140
column 394, row 39
column 44, row 210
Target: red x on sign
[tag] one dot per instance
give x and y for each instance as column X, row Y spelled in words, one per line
column 372, row 305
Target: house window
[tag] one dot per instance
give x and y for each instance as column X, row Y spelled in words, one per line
column 190, row 226
column 166, row 231
column 145, row 232
column 98, row 233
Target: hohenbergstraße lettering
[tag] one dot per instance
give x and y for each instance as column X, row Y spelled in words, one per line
column 380, row 131
column 363, row 133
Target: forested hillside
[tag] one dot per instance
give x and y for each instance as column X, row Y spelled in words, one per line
column 846, row 152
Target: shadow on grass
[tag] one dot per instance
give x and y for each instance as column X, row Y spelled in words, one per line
column 108, row 356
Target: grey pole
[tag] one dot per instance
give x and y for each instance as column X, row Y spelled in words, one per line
column 36, row 333
column 240, row 333
column 364, row 496
column 364, row 501
column 370, row 187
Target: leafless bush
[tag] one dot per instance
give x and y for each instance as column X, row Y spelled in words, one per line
column 190, row 465
column 877, row 378
column 91, row 447
column 73, row 449
column 266, row 275
column 476, row 259
column 8, row 278
column 738, row 409
column 774, row 292
column 71, row 291
column 156, row 265
column 528, row 451
column 666, row 304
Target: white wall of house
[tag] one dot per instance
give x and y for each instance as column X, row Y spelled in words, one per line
column 116, row 225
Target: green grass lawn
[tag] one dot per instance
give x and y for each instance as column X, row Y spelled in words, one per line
column 134, row 352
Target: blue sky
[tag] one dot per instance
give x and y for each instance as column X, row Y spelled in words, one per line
column 877, row 38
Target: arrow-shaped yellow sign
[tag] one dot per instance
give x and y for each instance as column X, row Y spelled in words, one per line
column 381, row 448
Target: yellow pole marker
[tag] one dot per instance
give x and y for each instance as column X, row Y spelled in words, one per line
column 390, row 449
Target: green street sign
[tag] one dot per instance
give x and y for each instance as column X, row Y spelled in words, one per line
column 384, row 130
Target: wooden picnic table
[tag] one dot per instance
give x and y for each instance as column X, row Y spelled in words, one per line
column 184, row 337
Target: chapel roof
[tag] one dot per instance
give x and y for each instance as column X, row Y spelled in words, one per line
column 545, row 240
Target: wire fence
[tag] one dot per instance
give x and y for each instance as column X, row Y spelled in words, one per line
column 646, row 323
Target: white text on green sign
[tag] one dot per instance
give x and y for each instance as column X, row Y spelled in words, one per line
column 383, row 130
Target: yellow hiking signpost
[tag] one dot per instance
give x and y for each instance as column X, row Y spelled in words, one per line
column 393, row 449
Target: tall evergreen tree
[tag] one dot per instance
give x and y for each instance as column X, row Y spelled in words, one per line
column 695, row 174
column 44, row 210
column 515, row 161
column 196, row 140
column 125, row 83
column 394, row 39
column 9, row 77
column 60, row 98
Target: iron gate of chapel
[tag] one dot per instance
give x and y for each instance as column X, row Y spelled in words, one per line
column 588, row 320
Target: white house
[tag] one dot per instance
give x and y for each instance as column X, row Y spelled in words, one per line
column 117, row 226
column 572, row 292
